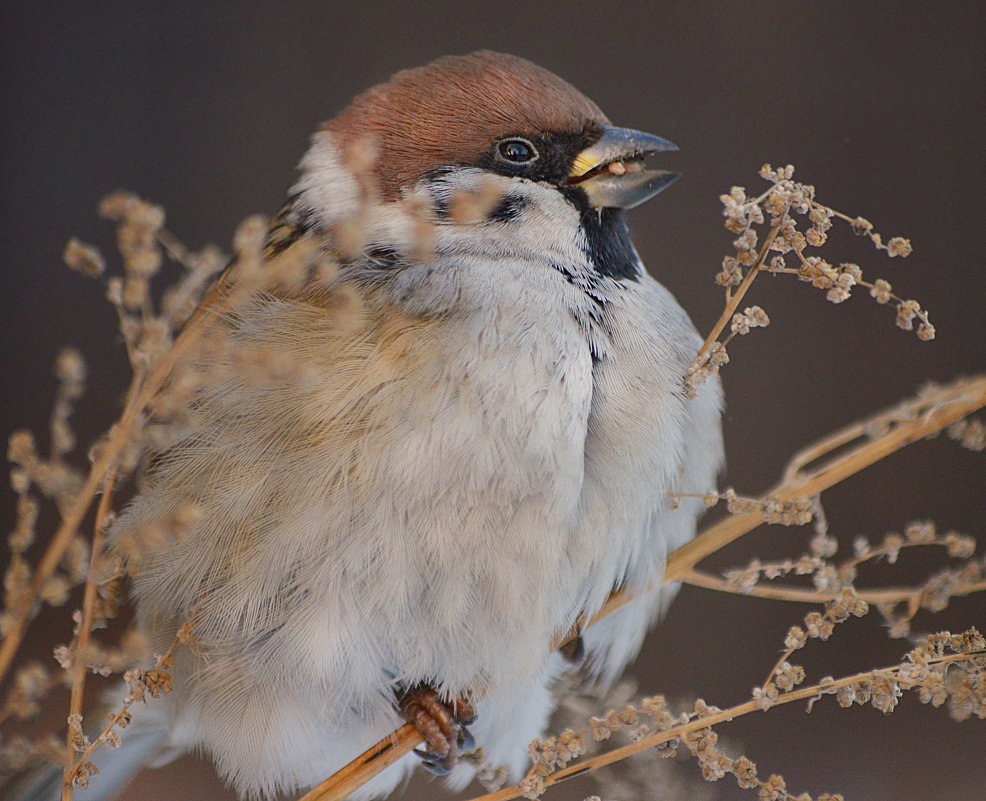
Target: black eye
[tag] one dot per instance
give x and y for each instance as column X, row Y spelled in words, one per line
column 517, row 151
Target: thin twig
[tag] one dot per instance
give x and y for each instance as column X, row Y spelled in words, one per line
column 162, row 661
column 367, row 765
column 734, row 301
column 950, row 402
column 119, row 436
column 85, row 628
column 658, row 737
column 59, row 544
column 774, row 592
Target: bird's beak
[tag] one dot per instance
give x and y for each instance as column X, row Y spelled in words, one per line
column 611, row 172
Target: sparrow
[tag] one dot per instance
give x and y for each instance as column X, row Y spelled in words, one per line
column 471, row 465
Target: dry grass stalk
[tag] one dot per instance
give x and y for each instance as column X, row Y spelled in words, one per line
column 788, row 204
column 153, row 358
column 933, row 409
column 85, row 627
column 120, row 436
column 914, row 673
column 154, row 682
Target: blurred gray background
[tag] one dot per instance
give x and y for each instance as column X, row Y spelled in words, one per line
column 206, row 108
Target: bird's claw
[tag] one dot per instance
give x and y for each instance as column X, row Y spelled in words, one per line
column 440, row 766
column 442, row 726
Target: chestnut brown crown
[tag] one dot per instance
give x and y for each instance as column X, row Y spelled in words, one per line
column 451, row 110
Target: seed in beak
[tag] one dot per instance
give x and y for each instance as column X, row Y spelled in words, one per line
column 617, row 168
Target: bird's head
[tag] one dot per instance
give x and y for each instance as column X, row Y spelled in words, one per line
column 489, row 117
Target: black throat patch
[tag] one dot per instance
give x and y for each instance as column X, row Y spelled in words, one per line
column 608, row 244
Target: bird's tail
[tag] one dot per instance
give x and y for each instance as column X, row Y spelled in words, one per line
column 145, row 743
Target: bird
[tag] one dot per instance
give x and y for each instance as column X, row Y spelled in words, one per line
column 472, row 463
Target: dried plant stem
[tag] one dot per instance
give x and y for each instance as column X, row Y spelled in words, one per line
column 944, row 406
column 142, row 392
column 911, row 421
column 59, row 544
column 367, row 765
column 85, row 628
column 734, row 300
column 823, row 447
column 885, row 595
column 74, row 769
column 973, row 387
column 72, row 773
column 659, row 737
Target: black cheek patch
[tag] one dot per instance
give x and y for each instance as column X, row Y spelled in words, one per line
column 508, row 208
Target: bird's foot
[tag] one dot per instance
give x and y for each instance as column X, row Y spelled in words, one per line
column 442, row 725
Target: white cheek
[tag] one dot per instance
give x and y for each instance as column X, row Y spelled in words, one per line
column 545, row 228
column 326, row 187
